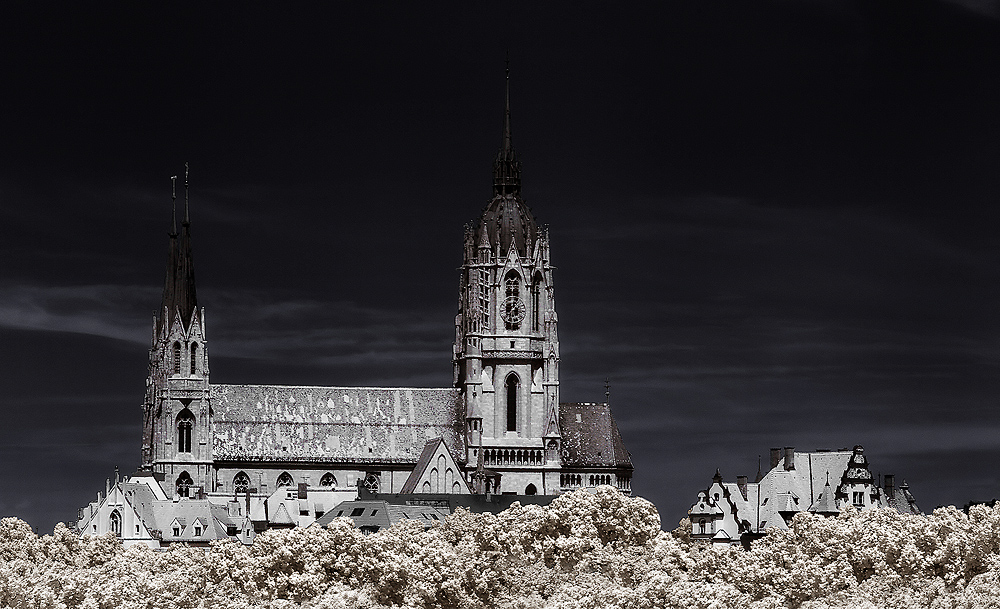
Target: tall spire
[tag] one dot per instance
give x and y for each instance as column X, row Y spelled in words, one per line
column 506, row 168
column 179, row 296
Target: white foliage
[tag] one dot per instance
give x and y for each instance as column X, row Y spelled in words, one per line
column 584, row 550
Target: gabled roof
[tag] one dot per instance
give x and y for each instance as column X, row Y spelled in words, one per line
column 590, row 436
column 826, row 504
column 425, row 465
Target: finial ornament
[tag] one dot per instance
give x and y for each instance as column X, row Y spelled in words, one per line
column 173, row 202
column 607, row 391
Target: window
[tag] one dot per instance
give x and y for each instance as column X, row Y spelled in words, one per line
column 536, row 288
column 374, row 512
column 701, row 526
column 357, row 512
column 285, row 479
column 116, row 523
column 328, row 479
column 197, row 530
column 531, row 490
column 513, row 308
column 484, row 297
column 859, row 499
column 511, row 384
column 241, row 482
column 184, row 484
column 177, row 531
column 177, row 358
column 194, row 358
column 185, row 423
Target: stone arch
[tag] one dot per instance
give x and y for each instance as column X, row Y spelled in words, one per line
column 328, row 480
column 115, row 523
column 531, row 489
column 185, row 429
column 183, row 484
column 241, row 483
column 285, row 479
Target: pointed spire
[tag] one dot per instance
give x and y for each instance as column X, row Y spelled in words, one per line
column 173, row 203
column 506, row 168
column 179, row 296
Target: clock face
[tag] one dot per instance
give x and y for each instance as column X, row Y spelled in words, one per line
column 512, row 311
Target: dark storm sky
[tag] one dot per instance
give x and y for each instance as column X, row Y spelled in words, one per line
column 775, row 224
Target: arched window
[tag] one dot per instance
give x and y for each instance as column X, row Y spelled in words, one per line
column 116, row 523
column 285, row 479
column 194, row 358
column 511, row 384
column 531, row 490
column 184, row 484
column 536, row 302
column 185, row 423
column 241, row 482
column 177, row 358
column 328, row 479
column 513, row 309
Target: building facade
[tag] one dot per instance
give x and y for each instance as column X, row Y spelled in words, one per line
column 501, row 422
column 823, row 482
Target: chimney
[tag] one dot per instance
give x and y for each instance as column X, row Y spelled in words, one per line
column 775, row 457
column 789, row 458
column 303, row 493
column 741, row 482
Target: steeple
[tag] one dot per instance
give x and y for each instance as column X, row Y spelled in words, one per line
column 506, row 168
column 179, row 296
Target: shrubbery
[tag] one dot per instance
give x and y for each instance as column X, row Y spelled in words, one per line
column 584, row 550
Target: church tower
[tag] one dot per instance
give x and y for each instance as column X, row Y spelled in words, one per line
column 506, row 352
column 176, row 437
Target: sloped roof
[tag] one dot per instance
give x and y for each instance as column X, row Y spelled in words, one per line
column 432, row 448
column 335, row 424
column 826, row 503
column 590, row 436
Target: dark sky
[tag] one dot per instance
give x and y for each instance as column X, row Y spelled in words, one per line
column 775, row 222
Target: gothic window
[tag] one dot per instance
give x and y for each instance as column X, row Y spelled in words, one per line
column 536, row 288
column 285, row 479
column 241, row 482
column 484, row 297
column 512, row 311
column 177, row 358
column 512, row 384
column 116, row 523
column 328, row 479
column 194, row 358
column 185, row 423
column 184, row 484
column 373, row 482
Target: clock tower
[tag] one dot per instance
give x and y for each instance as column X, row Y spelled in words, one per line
column 506, row 347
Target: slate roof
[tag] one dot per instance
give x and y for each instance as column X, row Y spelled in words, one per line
column 333, row 424
column 590, row 436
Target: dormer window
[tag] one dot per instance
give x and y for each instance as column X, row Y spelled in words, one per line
column 197, row 530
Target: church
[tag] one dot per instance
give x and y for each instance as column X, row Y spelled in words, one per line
column 499, row 429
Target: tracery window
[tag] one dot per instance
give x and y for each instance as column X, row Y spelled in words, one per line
column 194, row 358
column 484, row 298
column 536, row 288
column 241, row 482
column 185, row 423
column 511, row 384
column 285, row 479
column 513, row 308
column 328, row 479
column 116, row 523
column 177, row 358
column 184, row 484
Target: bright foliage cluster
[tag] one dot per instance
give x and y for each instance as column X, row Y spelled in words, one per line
column 584, row 550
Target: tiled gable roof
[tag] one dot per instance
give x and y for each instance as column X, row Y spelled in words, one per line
column 334, row 424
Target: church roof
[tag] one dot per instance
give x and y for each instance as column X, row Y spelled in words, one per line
column 333, row 424
column 590, row 436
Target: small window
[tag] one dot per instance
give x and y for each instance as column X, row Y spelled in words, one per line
column 357, row 512
column 328, row 479
column 374, row 512
column 340, row 513
column 177, row 531
column 859, row 499
column 197, row 531
column 136, row 529
column 116, row 523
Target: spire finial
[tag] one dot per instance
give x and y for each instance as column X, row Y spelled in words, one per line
column 506, row 114
column 506, row 168
column 607, row 391
column 173, row 203
column 187, row 211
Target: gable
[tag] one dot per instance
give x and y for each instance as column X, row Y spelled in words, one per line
column 436, row 472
